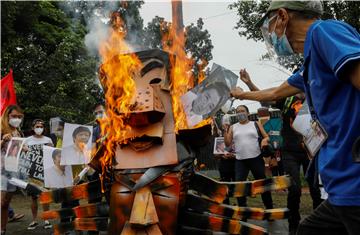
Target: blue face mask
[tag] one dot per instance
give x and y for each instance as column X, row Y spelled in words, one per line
column 281, row 45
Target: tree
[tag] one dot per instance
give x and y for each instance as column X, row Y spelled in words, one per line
column 250, row 12
column 198, row 44
column 53, row 74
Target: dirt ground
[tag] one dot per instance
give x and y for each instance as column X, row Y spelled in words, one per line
column 21, row 204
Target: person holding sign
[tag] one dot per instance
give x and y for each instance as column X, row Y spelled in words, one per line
column 10, row 127
column 245, row 136
column 330, row 78
column 38, row 139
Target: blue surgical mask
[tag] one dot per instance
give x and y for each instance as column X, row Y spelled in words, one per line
column 281, row 45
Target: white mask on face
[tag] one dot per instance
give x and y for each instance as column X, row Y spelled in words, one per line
column 15, row 122
column 38, row 131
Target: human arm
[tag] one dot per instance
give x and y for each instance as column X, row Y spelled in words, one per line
column 265, row 141
column 275, row 93
column 228, row 135
column 245, row 77
column 355, row 76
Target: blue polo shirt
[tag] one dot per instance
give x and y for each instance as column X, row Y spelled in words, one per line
column 329, row 46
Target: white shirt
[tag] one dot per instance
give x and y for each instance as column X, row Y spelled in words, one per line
column 71, row 155
column 55, row 178
column 32, row 140
column 246, row 140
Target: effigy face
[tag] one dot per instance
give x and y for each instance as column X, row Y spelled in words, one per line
column 144, row 197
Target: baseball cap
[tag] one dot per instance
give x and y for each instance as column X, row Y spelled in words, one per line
column 314, row 7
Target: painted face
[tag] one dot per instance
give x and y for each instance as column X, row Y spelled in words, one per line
column 149, row 210
column 206, row 101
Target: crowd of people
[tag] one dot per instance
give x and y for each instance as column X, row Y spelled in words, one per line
column 11, row 127
column 329, row 81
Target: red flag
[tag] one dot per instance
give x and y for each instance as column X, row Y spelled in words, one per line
column 8, row 95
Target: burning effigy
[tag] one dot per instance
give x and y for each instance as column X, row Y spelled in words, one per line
column 148, row 182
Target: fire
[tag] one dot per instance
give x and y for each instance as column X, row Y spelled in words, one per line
column 173, row 41
column 116, row 76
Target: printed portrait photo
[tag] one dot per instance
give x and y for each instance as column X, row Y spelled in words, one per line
column 76, row 144
column 13, row 153
column 55, row 174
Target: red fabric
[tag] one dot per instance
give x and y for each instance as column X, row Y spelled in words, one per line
column 8, row 95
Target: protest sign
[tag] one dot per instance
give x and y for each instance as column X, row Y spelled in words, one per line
column 76, row 144
column 204, row 100
column 220, row 147
column 56, row 175
column 12, row 154
column 31, row 162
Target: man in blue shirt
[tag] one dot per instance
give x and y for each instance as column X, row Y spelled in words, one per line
column 332, row 68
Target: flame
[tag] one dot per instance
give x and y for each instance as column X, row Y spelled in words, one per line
column 116, row 76
column 173, row 41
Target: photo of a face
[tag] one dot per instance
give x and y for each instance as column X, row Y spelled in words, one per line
column 220, row 147
column 206, row 101
column 76, row 144
column 55, row 174
column 12, row 154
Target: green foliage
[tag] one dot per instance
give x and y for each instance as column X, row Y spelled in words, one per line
column 53, row 74
column 250, row 12
column 198, row 44
column 43, row 42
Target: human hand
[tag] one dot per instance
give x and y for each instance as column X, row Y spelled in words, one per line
column 6, row 137
column 244, row 76
column 228, row 156
column 226, row 127
column 237, row 92
column 264, row 142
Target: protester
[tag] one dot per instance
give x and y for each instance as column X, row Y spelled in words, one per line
column 38, row 139
column 10, row 127
column 59, row 135
column 227, row 165
column 245, row 135
column 293, row 153
column 330, row 78
column 99, row 113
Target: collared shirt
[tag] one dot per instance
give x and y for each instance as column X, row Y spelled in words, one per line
column 56, row 178
column 329, row 46
column 72, row 155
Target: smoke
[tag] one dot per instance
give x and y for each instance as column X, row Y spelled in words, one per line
column 96, row 16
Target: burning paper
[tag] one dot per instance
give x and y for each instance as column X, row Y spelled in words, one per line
column 204, row 100
column 13, row 153
column 76, row 144
column 56, row 175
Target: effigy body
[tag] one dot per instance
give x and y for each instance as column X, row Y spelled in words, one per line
column 148, row 175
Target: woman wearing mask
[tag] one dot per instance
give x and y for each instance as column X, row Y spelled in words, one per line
column 10, row 127
column 38, row 139
column 245, row 135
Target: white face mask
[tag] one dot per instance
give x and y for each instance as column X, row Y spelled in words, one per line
column 15, row 122
column 38, row 131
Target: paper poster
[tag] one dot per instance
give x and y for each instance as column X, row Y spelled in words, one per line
column 220, row 147
column 13, row 153
column 55, row 174
column 31, row 162
column 204, row 100
column 76, row 147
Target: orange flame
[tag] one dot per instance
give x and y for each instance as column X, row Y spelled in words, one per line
column 116, row 75
column 182, row 79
